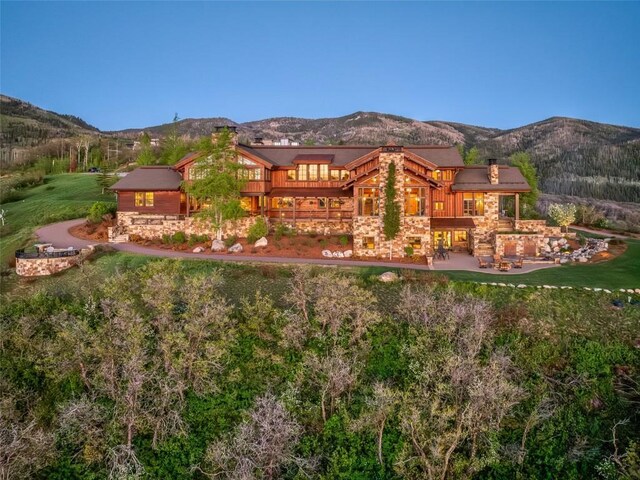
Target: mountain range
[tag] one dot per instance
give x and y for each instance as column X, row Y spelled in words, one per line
column 573, row 156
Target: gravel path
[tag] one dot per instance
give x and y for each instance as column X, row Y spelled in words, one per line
column 58, row 235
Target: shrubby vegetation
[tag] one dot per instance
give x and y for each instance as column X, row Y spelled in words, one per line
column 99, row 209
column 166, row 372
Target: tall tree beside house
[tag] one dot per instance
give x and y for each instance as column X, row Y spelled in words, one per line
column 173, row 147
column 391, row 221
column 217, row 185
column 146, row 156
column 470, row 156
column 528, row 200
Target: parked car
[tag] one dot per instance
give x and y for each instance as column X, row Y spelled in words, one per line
column 94, row 170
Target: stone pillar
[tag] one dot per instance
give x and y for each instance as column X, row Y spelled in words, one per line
column 517, row 207
column 493, row 171
column 389, row 154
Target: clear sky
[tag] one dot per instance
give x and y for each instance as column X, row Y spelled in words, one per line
column 134, row 64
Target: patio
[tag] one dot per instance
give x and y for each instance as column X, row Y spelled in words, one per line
column 464, row 261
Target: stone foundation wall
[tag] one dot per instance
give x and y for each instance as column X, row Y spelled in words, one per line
column 322, row 227
column 519, row 239
column 367, row 227
column 538, row 226
column 487, row 224
column 38, row 267
column 154, row 226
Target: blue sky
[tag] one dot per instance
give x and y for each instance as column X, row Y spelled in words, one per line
column 134, row 64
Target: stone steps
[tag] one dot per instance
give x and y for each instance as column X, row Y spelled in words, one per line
column 124, row 238
column 483, row 250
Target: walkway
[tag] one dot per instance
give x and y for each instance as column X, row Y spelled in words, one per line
column 58, row 235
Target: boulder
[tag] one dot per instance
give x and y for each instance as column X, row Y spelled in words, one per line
column 388, row 277
column 554, row 243
column 336, row 254
column 340, row 254
column 198, row 250
column 261, row 242
column 236, row 248
column 217, row 246
column 522, row 285
column 564, row 260
column 348, row 253
column 582, row 259
column 327, row 253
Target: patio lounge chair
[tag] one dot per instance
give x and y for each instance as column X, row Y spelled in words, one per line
column 518, row 263
column 482, row 263
column 504, row 266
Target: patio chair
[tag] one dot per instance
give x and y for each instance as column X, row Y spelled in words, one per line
column 482, row 263
column 518, row 263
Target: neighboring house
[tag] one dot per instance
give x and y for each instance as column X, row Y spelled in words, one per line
column 340, row 189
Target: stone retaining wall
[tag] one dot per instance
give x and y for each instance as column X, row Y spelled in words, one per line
column 322, row 227
column 539, row 240
column 41, row 266
column 538, row 226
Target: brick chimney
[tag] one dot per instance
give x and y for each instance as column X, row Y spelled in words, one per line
column 492, row 171
column 217, row 130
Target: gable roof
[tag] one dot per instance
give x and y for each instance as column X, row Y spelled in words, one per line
column 150, row 179
column 475, row 178
column 442, row 156
column 285, row 156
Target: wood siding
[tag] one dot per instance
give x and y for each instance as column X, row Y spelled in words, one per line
column 163, row 203
column 279, row 179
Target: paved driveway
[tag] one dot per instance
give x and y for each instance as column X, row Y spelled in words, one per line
column 58, row 234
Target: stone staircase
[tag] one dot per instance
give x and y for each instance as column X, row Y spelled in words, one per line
column 505, row 225
column 122, row 238
column 483, row 250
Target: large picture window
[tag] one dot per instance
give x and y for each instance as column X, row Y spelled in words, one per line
column 144, row 199
column 250, row 173
column 473, row 204
column 282, row 203
column 368, row 201
column 415, row 202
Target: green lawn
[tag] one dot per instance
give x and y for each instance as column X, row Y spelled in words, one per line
column 621, row 272
column 61, row 197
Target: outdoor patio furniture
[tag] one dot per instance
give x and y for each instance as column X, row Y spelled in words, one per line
column 518, row 263
column 483, row 263
column 441, row 252
column 504, row 266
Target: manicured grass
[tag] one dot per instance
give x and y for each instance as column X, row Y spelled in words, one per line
column 621, row 272
column 61, row 197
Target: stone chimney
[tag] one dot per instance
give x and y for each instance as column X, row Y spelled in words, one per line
column 492, row 171
column 258, row 141
column 217, row 130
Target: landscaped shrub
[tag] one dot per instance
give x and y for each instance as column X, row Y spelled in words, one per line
column 258, row 230
column 408, row 251
column 166, row 239
column 324, row 242
column 230, row 241
column 343, row 240
column 283, row 230
column 99, row 209
column 313, row 234
column 194, row 239
column 179, row 238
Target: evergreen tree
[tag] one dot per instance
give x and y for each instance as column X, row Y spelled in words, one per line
column 391, row 219
column 527, row 200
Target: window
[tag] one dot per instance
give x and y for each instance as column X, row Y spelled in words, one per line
column 291, row 174
column 198, row 172
column 341, row 175
column 368, row 201
column 245, row 203
column 437, row 175
column 473, row 204
column 322, row 202
column 447, row 175
column 282, row 202
column 415, row 242
column 335, row 203
column 460, row 236
column 344, row 175
column 246, row 161
column 438, row 206
column 302, row 172
column 324, row 172
column 144, row 199
column 313, row 173
column 415, row 202
column 369, row 243
column 250, row 173
column 442, row 237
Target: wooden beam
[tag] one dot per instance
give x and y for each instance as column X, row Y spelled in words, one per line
column 517, row 207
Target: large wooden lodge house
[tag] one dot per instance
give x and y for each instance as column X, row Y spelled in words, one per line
column 340, row 189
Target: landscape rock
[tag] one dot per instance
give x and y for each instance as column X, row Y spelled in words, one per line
column 522, row 285
column 387, row 277
column 327, row 253
column 236, row 248
column 348, row 253
column 582, row 259
column 198, row 250
column 340, row 254
column 217, row 246
column 261, row 242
